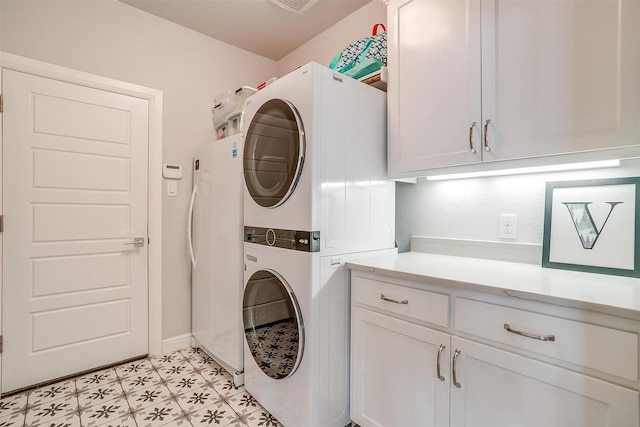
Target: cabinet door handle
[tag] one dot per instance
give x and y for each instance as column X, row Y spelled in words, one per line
column 529, row 335
column 404, row 301
column 453, row 369
column 473, row 150
column 440, row 350
column 486, row 126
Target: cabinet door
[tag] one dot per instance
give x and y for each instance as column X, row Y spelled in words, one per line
column 560, row 76
column 434, row 83
column 394, row 374
column 498, row 388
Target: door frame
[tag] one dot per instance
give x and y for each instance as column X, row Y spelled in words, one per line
column 154, row 190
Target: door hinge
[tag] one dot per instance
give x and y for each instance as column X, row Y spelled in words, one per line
column 1, row 223
column 1, row 104
column 0, row 343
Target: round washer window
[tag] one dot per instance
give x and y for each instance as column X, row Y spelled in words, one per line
column 273, row 153
column 272, row 324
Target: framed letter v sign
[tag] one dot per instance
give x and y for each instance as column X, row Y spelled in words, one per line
column 593, row 226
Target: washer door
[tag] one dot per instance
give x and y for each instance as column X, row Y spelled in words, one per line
column 274, row 150
column 272, row 324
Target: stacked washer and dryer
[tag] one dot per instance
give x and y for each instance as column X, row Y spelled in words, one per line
column 315, row 197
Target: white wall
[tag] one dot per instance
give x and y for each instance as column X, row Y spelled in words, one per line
column 112, row 39
column 470, row 208
column 324, row 46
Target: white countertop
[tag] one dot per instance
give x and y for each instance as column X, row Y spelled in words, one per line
column 610, row 294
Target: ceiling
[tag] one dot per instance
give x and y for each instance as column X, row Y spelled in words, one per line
column 258, row 26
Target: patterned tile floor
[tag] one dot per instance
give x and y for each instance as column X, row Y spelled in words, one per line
column 184, row 388
column 275, row 347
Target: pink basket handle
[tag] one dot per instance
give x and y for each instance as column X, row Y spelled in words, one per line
column 375, row 29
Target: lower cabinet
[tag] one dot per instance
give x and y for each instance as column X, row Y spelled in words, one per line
column 498, row 388
column 394, row 372
column 404, row 373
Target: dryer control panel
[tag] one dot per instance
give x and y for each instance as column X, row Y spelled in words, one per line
column 306, row 241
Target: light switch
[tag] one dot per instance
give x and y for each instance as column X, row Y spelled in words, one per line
column 172, row 188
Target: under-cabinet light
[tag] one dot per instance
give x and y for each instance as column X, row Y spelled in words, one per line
column 533, row 169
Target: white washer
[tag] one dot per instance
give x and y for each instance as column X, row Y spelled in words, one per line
column 296, row 317
column 315, row 160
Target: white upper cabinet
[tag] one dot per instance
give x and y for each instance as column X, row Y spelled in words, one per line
column 483, row 81
column 434, row 83
column 560, row 76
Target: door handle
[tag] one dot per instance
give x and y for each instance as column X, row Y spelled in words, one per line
column 471, row 149
column 190, row 225
column 137, row 242
column 486, row 128
column 438, row 374
column 454, row 374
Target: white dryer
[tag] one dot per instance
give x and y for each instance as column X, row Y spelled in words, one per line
column 315, row 160
column 296, row 320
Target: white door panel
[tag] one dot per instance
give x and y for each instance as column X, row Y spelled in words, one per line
column 84, row 171
column 553, row 85
column 434, row 84
column 75, row 196
column 499, row 388
column 78, row 272
column 59, row 116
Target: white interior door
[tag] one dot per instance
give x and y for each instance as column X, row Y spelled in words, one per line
column 74, row 196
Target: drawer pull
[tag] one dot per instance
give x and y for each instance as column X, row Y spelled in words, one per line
column 453, row 369
column 404, row 301
column 440, row 350
column 528, row 335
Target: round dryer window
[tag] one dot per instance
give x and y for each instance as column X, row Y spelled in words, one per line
column 273, row 153
column 272, row 324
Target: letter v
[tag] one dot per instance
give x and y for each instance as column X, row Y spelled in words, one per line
column 583, row 222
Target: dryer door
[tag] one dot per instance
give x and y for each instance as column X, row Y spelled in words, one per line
column 273, row 324
column 274, row 149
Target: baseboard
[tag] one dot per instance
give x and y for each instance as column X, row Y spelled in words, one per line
column 170, row 345
column 528, row 253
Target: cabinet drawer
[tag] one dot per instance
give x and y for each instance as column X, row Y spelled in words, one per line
column 414, row 303
column 608, row 350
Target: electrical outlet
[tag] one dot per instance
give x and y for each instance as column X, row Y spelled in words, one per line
column 508, row 226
